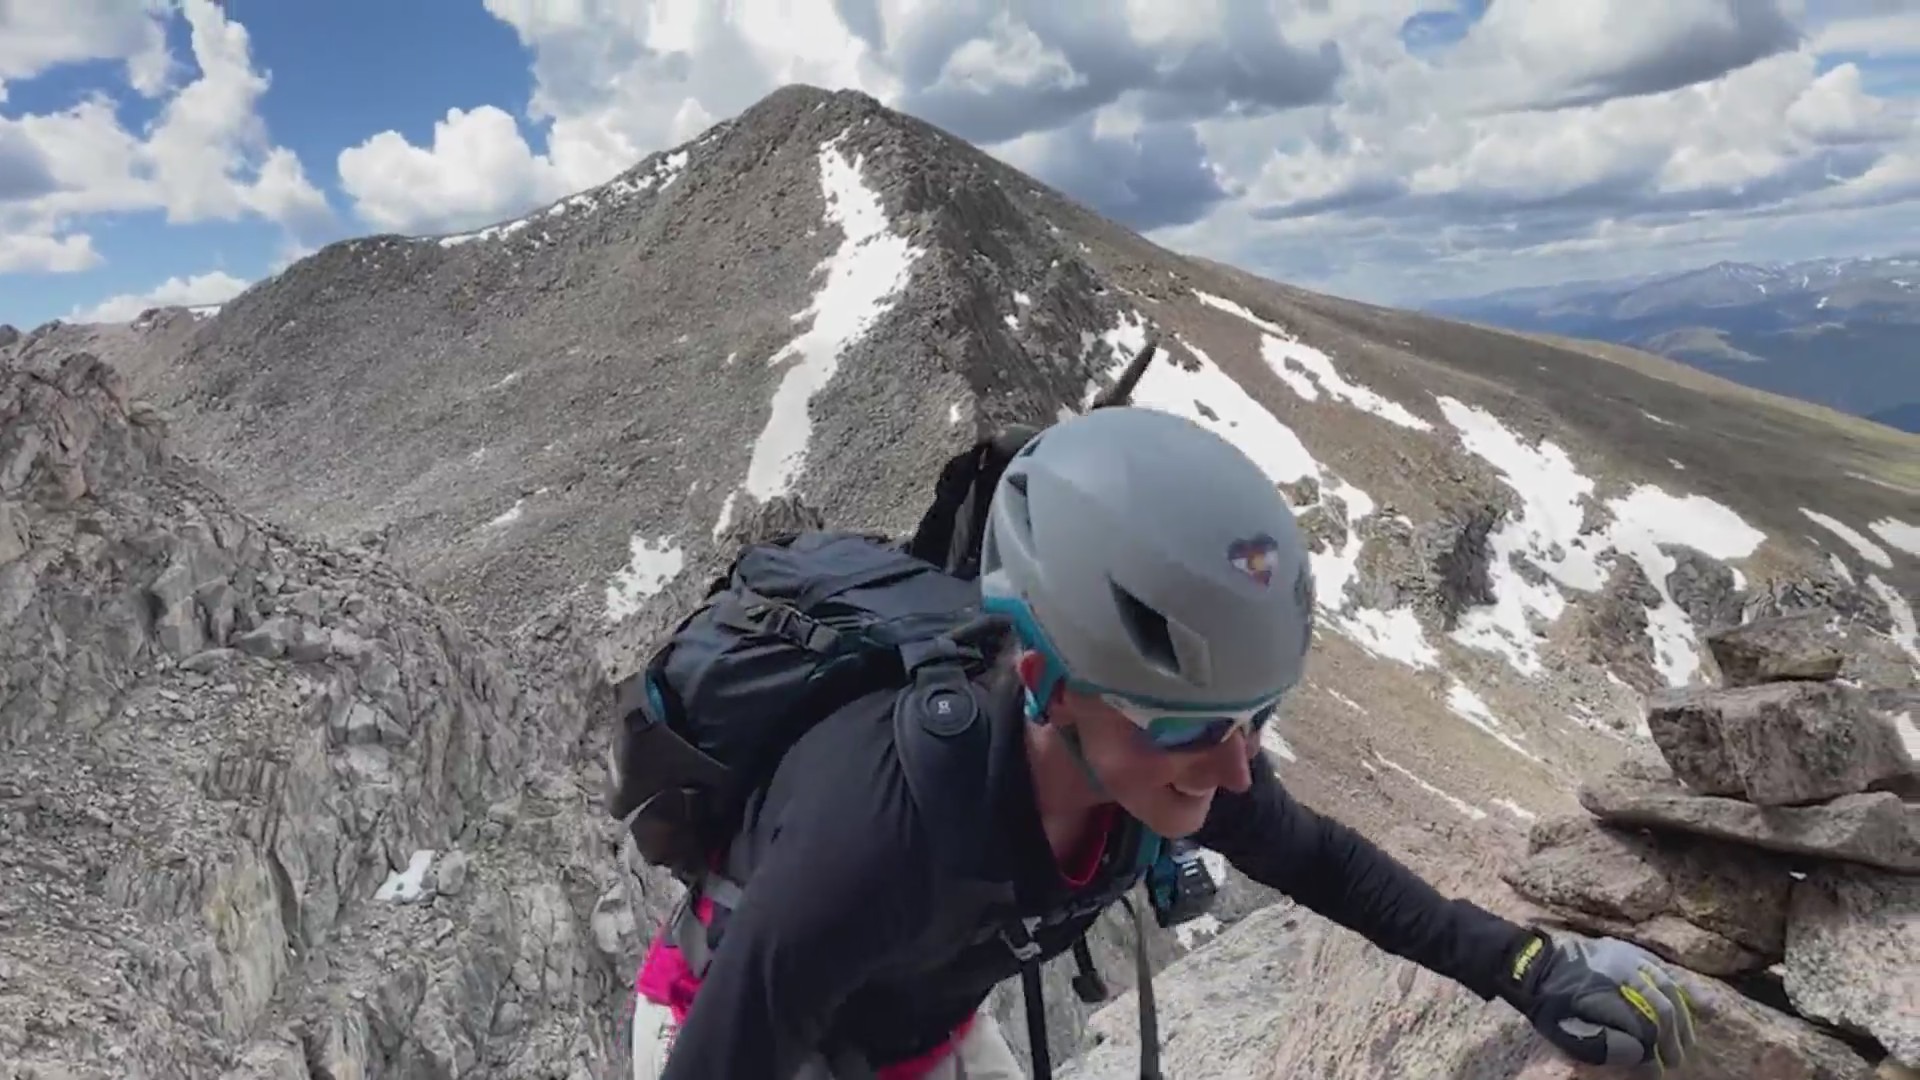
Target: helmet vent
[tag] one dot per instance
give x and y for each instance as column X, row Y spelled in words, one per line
column 1022, row 513
column 1147, row 628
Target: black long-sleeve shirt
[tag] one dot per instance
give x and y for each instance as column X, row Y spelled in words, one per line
column 853, row 929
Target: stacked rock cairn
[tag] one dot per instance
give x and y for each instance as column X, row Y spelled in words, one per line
column 1771, row 849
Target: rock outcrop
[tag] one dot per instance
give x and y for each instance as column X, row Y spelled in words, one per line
column 266, row 810
column 1756, row 850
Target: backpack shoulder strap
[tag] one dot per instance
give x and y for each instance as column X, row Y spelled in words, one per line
column 949, row 735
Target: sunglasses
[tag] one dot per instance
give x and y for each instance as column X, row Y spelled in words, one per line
column 1164, row 726
column 1169, row 729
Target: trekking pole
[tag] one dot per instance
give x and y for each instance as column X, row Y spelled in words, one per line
column 1121, row 392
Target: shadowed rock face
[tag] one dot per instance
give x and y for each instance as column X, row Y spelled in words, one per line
column 267, row 808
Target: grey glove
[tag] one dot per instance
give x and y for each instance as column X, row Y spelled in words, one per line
column 1602, row 1002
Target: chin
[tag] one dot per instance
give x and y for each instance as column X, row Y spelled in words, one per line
column 1175, row 814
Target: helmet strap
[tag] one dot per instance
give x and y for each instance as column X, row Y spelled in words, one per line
column 1072, row 739
column 1038, row 715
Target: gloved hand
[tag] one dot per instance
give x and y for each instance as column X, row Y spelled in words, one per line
column 1600, row 1001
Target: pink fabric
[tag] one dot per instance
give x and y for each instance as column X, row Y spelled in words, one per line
column 1083, row 868
column 666, row 979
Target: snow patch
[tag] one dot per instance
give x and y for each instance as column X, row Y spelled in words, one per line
column 1840, row 567
column 1022, row 298
column 1285, row 355
column 1302, row 366
column 1396, row 635
column 619, row 189
column 1469, row 707
column 1547, row 533
column 1898, row 533
column 1345, row 700
column 953, row 413
column 1466, row 808
column 1909, row 734
column 1655, row 419
column 1676, row 465
column 726, row 514
column 651, row 564
column 1868, row 550
column 1013, row 322
column 511, row 515
column 1514, row 808
column 507, row 380
column 1905, row 634
column 870, row 267
column 406, row 886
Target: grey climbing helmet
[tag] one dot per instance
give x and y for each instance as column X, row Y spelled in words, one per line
column 1150, row 561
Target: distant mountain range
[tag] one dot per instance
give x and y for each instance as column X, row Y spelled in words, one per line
column 1841, row 332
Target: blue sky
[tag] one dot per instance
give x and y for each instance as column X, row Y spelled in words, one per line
column 1392, row 149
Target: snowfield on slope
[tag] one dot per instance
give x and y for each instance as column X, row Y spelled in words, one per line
column 864, row 275
column 1546, row 531
column 1900, row 534
column 1308, row 371
column 1866, row 548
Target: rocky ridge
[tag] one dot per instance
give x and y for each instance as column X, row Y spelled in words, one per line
column 266, row 810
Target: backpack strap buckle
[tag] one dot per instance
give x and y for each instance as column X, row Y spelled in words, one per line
column 1018, row 937
column 807, row 632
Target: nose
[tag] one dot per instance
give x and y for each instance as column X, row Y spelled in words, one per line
column 1230, row 765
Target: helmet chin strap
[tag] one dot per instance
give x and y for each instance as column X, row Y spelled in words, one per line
column 1038, row 715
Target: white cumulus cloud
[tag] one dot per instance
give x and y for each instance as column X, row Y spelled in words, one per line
column 212, row 287
column 207, row 156
column 479, row 169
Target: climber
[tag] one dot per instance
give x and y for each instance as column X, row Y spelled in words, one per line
column 1159, row 604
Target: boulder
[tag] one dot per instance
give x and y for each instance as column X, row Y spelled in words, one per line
column 1853, row 954
column 1709, row 905
column 1875, row 829
column 1777, row 649
column 1778, row 744
column 1704, row 587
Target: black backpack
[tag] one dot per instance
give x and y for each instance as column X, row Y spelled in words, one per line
column 800, row 625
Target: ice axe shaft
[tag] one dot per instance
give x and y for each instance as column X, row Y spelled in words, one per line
column 1121, row 392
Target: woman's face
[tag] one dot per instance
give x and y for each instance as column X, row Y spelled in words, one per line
column 1169, row 791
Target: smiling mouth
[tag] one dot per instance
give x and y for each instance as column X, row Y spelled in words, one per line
column 1191, row 794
